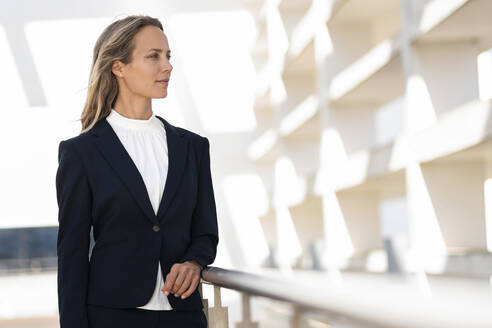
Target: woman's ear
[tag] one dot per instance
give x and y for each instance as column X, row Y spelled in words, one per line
column 117, row 68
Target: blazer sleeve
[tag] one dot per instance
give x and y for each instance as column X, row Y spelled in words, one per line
column 204, row 231
column 74, row 217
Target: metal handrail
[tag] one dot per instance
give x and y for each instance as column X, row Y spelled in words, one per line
column 383, row 308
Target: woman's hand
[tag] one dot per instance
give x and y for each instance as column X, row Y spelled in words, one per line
column 182, row 279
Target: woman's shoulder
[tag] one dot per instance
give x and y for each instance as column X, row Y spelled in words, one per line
column 197, row 142
column 77, row 140
column 193, row 136
column 79, row 143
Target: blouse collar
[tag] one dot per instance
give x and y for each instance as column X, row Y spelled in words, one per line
column 135, row 124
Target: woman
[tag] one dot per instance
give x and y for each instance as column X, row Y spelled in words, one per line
column 145, row 188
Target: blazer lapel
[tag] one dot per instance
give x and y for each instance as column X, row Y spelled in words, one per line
column 177, row 150
column 116, row 155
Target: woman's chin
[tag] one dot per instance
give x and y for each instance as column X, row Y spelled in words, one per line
column 162, row 94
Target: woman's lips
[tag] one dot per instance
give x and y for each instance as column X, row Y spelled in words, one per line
column 163, row 82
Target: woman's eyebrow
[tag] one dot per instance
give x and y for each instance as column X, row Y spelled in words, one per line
column 157, row 49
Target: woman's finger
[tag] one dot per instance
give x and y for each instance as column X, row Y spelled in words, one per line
column 182, row 272
column 170, row 279
column 194, row 284
column 186, row 283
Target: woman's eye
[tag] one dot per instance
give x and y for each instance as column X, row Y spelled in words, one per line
column 156, row 55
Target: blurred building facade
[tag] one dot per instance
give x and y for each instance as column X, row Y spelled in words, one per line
column 374, row 133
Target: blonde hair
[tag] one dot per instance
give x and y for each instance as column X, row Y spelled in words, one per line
column 114, row 43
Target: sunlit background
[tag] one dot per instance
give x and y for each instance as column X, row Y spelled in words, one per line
column 350, row 141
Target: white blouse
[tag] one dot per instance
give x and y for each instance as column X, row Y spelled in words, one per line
column 145, row 141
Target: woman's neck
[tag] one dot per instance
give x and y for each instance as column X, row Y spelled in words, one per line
column 134, row 108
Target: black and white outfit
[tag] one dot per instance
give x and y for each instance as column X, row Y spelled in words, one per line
column 145, row 188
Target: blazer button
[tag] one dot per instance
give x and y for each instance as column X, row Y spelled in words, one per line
column 156, row 228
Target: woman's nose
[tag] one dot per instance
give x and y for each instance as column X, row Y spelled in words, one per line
column 167, row 67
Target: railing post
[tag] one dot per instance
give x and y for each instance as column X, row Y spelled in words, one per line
column 246, row 322
column 217, row 315
column 204, row 300
column 295, row 319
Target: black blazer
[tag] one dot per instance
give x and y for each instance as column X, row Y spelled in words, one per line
column 98, row 185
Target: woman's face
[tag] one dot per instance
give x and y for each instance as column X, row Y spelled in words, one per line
column 150, row 65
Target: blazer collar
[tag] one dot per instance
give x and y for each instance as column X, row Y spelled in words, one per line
column 114, row 152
